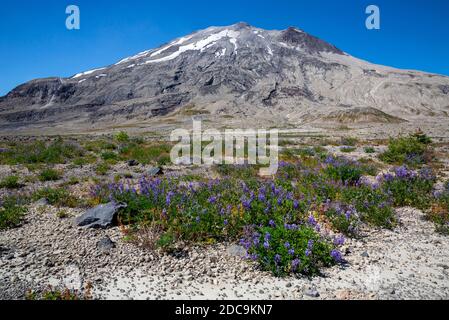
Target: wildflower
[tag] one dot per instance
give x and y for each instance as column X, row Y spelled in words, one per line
column 267, row 236
column 226, row 222
column 312, row 221
column 198, row 219
column 295, row 204
column 168, row 198
column 295, row 264
column 277, row 259
column 339, row 240
column 287, row 245
column 212, row 200
column 291, row 252
column 336, row 255
column 308, row 252
column 272, row 224
column 266, row 245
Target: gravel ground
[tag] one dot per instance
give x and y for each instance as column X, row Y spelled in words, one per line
column 410, row 262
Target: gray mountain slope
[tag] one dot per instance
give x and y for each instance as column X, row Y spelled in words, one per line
column 222, row 73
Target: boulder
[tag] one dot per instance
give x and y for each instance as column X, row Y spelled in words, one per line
column 133, row 163
column 101, row 217
column 156, row 171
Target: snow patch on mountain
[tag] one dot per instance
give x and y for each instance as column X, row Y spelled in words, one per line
column 200, row 45
column 86, row 73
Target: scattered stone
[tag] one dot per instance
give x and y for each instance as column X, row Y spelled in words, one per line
column 365, row 254
column 133, row 163
column 312, row 293
column 105, row 244
column 42, row 202
column 101, row 217
column 237, row 251
column 156, row 171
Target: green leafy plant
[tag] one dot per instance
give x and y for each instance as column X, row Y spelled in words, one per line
column 49, row 175
column 12, row 211
column 58, row 197
column 10, row 182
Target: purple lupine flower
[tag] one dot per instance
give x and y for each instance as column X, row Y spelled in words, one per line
column 287, row 245
column 308, row 252
column 277, row 259
column 226, row 222
column 336, row 255
column 296, row 204
column 272, row 224
column 267, row 236
column 168, row 198
column 339, row 240
column 198, row 219
column 426, row 174
column 312, row 221
column 291, row 252
column 261, row 197
column 295, row 264
column 212, row 200
column 266, row 245
column 401, row 172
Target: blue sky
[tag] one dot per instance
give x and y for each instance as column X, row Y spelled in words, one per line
column 34, row 42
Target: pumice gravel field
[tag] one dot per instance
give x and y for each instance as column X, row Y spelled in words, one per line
column 108, row 217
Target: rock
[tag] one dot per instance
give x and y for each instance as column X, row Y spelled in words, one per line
column 365, row 254
column 105, row 244
column 42, row 202
column 312, row 293
column 156, row 171
column 133, row 163
column 237, row 251
column 100, row 217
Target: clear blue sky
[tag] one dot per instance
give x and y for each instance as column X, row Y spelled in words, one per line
column 34, row 42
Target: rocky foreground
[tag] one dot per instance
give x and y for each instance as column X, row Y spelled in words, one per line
column 410, row 262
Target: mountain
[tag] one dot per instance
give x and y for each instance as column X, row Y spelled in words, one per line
column 235, row 75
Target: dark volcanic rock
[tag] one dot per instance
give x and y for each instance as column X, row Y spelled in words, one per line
column 105, row 245
column 100, row 217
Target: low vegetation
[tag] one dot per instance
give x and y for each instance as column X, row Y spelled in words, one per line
column 413, row 151
column 12, row 211
column 10, row 182
column 293, row 222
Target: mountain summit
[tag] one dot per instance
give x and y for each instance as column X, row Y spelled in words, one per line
column 229, row 75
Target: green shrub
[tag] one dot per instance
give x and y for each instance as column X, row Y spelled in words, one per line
column 292, row 249
column 102, row 169
column 154, row 154
column 122, row 137
column 370, row 150
column 410, row 151
column 343, row 218
column 408, row 188
column 439, row 213
column 371, row 204
column 41, row 152
column 12, row 212
column 349, row 141
column 10, row 182
column 348, row 149
column 109, row 155
column 57, row 197
column 49, row 175
column 343, row 170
